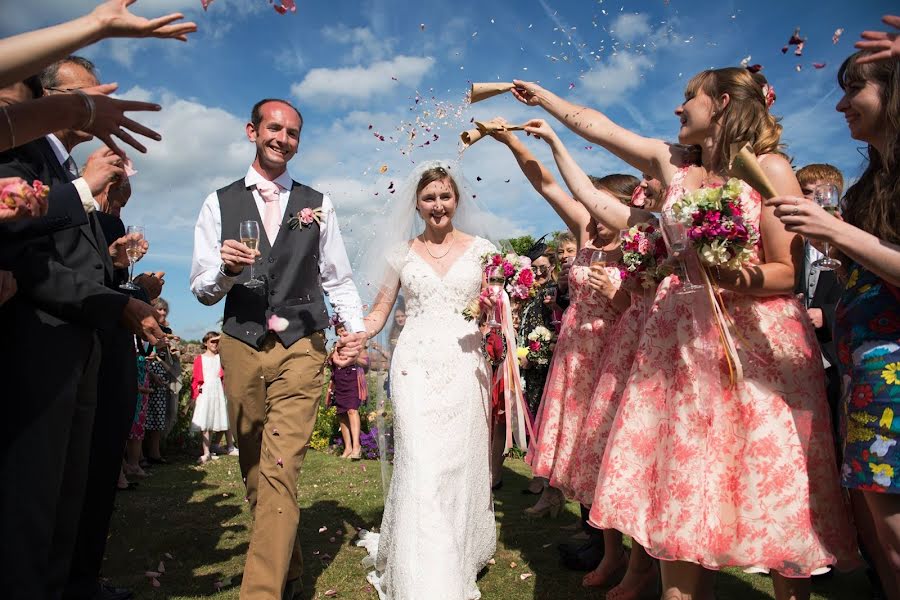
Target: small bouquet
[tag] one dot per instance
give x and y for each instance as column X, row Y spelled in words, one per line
column 715, row 224
column 539, row 346
column 644, row 255
column 518, row 280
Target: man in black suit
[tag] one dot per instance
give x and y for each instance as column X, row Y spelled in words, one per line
column 50, row 363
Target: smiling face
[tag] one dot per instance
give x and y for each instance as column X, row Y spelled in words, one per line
column 696, row 116
column 566, row 250
column 400, row 317
column 277, row 137
column 436, row 203
column 863, row 109
column 653, row 195
column 541, row 268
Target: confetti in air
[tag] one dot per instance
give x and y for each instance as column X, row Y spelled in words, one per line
column 837, row 35
column 795, row 40
column 819, row 65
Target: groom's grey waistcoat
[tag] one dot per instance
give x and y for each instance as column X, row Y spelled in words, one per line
column 290, row 269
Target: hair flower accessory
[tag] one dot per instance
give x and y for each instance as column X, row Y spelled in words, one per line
column 768, row 91
column 306, row 217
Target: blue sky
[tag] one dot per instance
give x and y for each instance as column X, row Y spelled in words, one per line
column 352, row 64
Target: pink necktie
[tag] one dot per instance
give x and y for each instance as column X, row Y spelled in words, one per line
column 270, row 192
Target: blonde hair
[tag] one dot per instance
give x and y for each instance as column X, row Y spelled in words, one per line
column 746, row 118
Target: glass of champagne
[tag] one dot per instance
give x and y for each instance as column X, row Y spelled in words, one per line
column 495, row 280
column 134, row 252
column 829, row 198
column 250, row 238
column 677, row 242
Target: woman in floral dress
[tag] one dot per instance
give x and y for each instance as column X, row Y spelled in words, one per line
column 584, row 330
column 701, row 473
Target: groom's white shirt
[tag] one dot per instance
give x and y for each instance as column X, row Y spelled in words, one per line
column 209, row 284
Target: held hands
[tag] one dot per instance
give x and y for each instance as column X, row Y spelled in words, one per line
column 883, row 45
column 348, row 348
column 805, row 217
column 236, row 255
column 118, row 249
column 114, row 20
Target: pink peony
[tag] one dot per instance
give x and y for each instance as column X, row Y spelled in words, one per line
column 497, row 260
column 526, row 277
column 534, row 346
column 508, row 269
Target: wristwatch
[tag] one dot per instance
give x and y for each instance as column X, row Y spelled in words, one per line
column 224, row 271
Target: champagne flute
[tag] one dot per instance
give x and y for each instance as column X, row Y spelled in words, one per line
column 677, row 242
column 829, row 198
column 134, row 252
column 250, row 238
column 495, row 280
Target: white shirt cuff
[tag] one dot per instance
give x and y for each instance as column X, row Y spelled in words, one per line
column 84, row 193
column 355, row 325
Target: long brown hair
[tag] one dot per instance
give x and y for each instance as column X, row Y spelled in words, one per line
column 871, row 202
column 746, row 118
column 619, row 185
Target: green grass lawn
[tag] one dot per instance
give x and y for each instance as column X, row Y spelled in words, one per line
column 198, row 517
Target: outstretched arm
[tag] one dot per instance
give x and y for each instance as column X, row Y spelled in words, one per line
column 573, row 214
column 601, row 205
column 647, row 155
column 26, row 54
column 381, row 307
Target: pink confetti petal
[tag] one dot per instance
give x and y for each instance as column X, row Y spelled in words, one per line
column 331, row 593
column 524, row 576
column 571, row 86
column 837, row 35
column 162, row 567
column 155, row 582
column 323, row 529
column 819, row 65
column 280, row 463
column 277, row 324
column 205, row 3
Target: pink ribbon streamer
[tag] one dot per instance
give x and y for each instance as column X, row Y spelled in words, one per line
column 519, row 428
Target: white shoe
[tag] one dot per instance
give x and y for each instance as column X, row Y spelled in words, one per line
column 233, row 451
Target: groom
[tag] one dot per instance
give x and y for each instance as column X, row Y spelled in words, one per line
column 273, row 373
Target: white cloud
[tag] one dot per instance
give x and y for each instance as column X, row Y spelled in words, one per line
column 358, row 84
column 611, row 82
column 630, row 27
column 365, row 45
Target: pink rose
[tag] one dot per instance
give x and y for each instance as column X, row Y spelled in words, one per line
column 508, row 269
column 534, row 346
column 307, row 216
column 526, row 277
column 497, row 260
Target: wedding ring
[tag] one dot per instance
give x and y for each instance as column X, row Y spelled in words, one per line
column 795, row 211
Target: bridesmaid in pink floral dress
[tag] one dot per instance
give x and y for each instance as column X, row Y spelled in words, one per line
column 584, row 330
column 703, row 475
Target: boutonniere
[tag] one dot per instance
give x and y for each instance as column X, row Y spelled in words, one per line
column 306, row 217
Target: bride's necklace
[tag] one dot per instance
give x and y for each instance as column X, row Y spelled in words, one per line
column 449, row 248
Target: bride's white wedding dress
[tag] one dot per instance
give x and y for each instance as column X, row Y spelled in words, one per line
column 438, row 529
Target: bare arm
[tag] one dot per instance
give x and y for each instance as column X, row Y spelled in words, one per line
column 601, row 205
column 802, row 216
column 26, row 54
column 381, row 308
column 783, row 250
column 572, row 213
column 648, row 155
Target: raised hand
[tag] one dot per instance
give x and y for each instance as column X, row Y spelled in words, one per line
column 110, row 120
column 103, row 167
column 115, row 20
column 540, row 129
column 883, row 45
column 501, row 135
column 529, row 93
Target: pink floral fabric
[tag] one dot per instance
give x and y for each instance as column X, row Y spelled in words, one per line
column 584, row 337
column 577, row 478
column 696, row 471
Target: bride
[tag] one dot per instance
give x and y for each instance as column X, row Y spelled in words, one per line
column 438, row 528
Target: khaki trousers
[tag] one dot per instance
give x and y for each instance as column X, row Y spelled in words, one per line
column 273, row 394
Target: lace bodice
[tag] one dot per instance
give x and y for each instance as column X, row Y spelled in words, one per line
column 426, row 292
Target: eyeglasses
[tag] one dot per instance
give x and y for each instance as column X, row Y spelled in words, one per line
column 541, row 270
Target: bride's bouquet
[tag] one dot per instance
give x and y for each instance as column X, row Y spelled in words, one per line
column 714, row 218
column 518, row 280
column 644, row 256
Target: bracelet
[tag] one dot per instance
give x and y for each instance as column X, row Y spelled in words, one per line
column 12, row 134
column 91, row 108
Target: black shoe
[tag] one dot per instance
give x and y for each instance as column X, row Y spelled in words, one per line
column 108, row 592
